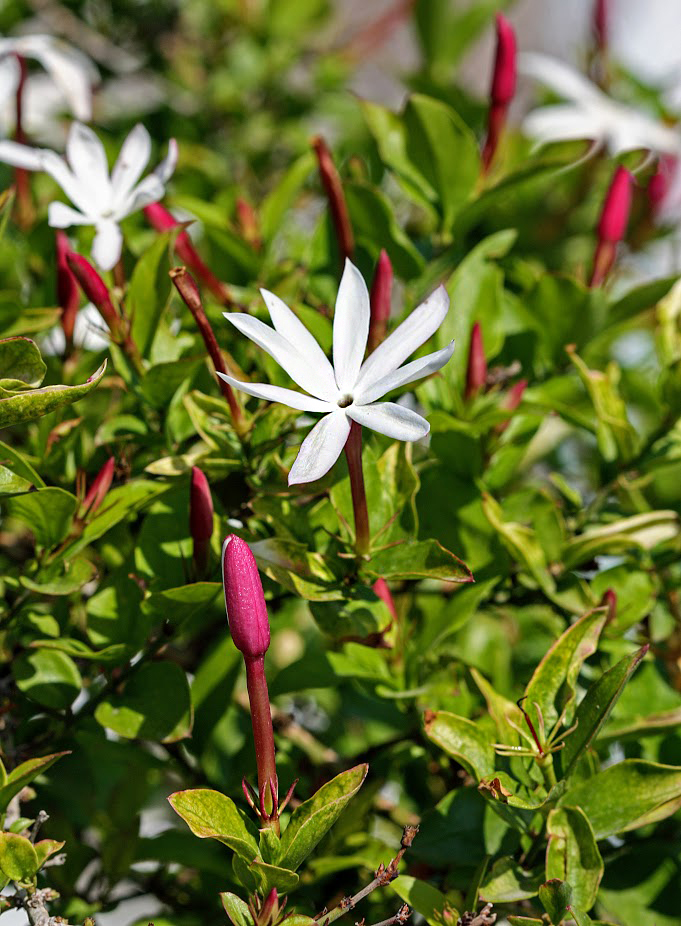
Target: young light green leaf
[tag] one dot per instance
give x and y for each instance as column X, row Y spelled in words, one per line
column 18, row 858
column 312, row 820
column 45, row 848
column 257, row 875
column 556, row 897
column 573, row 855
column 626, row 796
column 211, row 815
column 463, row 740
column 236, row 909
column 521, row 542
column 552, row 685
column 594, row 709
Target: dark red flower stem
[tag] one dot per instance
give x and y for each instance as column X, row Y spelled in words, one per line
column 189, row 291
column 353, row 454
column 21, row 178
column 263, row 735
column 333, row 187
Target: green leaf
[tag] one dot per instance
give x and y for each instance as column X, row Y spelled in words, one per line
column 594, row 710
column 18, row 859
column 21, row 366
column 47, row 847
column 236, row 909
column 163, row 380
column 417, row 559
column 62, row 579
column 311, row 821
column 556, row 897
column 48, row 513
column 48, row 677
column 281, row 198
column 11, row 484
column 522, row 543
column 20, row 464
column 373, row 221
column 155, row 705
column 626, row 796
column 179, row 604
column 211, row 815
column 34, row 403
column 149, row 290
column 261, row 877
column 424, row 898
column 24, row 774
column 463, row 740
column 7, row 198
column 507, row 882
column 640, row 531
column 573, row 855
column 552, row 685
column 360, row 616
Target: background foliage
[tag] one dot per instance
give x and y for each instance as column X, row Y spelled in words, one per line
column 119, row 664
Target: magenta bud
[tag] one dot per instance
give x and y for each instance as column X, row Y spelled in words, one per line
column 514, row 395
column 612, row 224
column 200, row 519
column 95, row 289
column 609, row 601
column 504, row 75
column 600, row 23
column 100, row 487
column 476, row 373
column 381, row 590
column 333, row 187
column 68, row 294
column 244, row 599
column 381, row 290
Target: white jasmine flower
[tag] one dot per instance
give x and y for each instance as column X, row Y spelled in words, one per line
column 590, row 114
column 346, row 391
column 72, row 71
column 100, row 199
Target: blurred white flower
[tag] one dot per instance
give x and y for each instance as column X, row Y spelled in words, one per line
column 69, row 69
column 590, row 114
column 100, row 199
column 347, row 390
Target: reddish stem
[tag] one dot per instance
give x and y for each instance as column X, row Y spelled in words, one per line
column 21, row 178
column 353, row 454
column 263, row 735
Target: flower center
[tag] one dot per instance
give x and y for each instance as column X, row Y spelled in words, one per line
column 345, row 400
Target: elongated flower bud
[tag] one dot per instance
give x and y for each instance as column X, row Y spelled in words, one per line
column 99, row 488
column 511, row 401
column 609, row 600
column 162, row 220
column 95, row 289
column 68, row 294
column 200, row 519
column 503, row 87
column 380, row 588
column 333, row 187
column 248, row 222
column 600, row 24
column 476, row 372
column 612, row 224
column 381, row 289
column 244, row 599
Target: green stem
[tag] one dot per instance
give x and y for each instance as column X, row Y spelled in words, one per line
column 353, row 454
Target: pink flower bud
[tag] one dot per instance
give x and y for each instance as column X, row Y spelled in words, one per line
column 99, row 488
column 68, row 295
column 514, row 395
column 248, row 222
column 504, row 76
column 609, row 601
column 159, row 217
column 95, row 289
column 244, row 599
column 200, row 519
column 380, row 588
column 612, row 225
column 476, row 373
column 333, row 187
column 381, row 290
column 600, row 23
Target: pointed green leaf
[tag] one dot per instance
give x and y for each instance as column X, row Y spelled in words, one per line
column 595, row 708
column 424, row 898
column 149, row 290
column 18, row 858
column 573, row 855
column 259, row 876
column 155, row 705
column 47, row 847
column 33, row 403
column 11, row 484
column 21, row 366
column 463, row 740
column 626, row 796
column 556, row 897
column 521, row 542
column 24, row 774
column 211, row 815
column 552, row 685
column 48, row 513
column 236, row 909
column 312, row 820
column 417, row 559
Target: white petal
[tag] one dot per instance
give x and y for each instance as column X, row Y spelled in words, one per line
column 106, row 248
column 59, row 215
column 566, row 122
column 303, row 403
column 87, row 159
column 11, row 152
column 631, row 130
column 132, row 159
column 286, row 355
column 290, row 327
column 405, row 339
column 166, row 168
column 71, row 71
column 149, row 190
column 390, row 419
column 350, row 327
column 406, row 374
column 559, row 76
column 9, row 77
column 321, row 448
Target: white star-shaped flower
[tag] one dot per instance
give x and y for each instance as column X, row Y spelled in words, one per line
column 72, row 71
column 100, row 199
column 348, row 390
column 590, row 114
